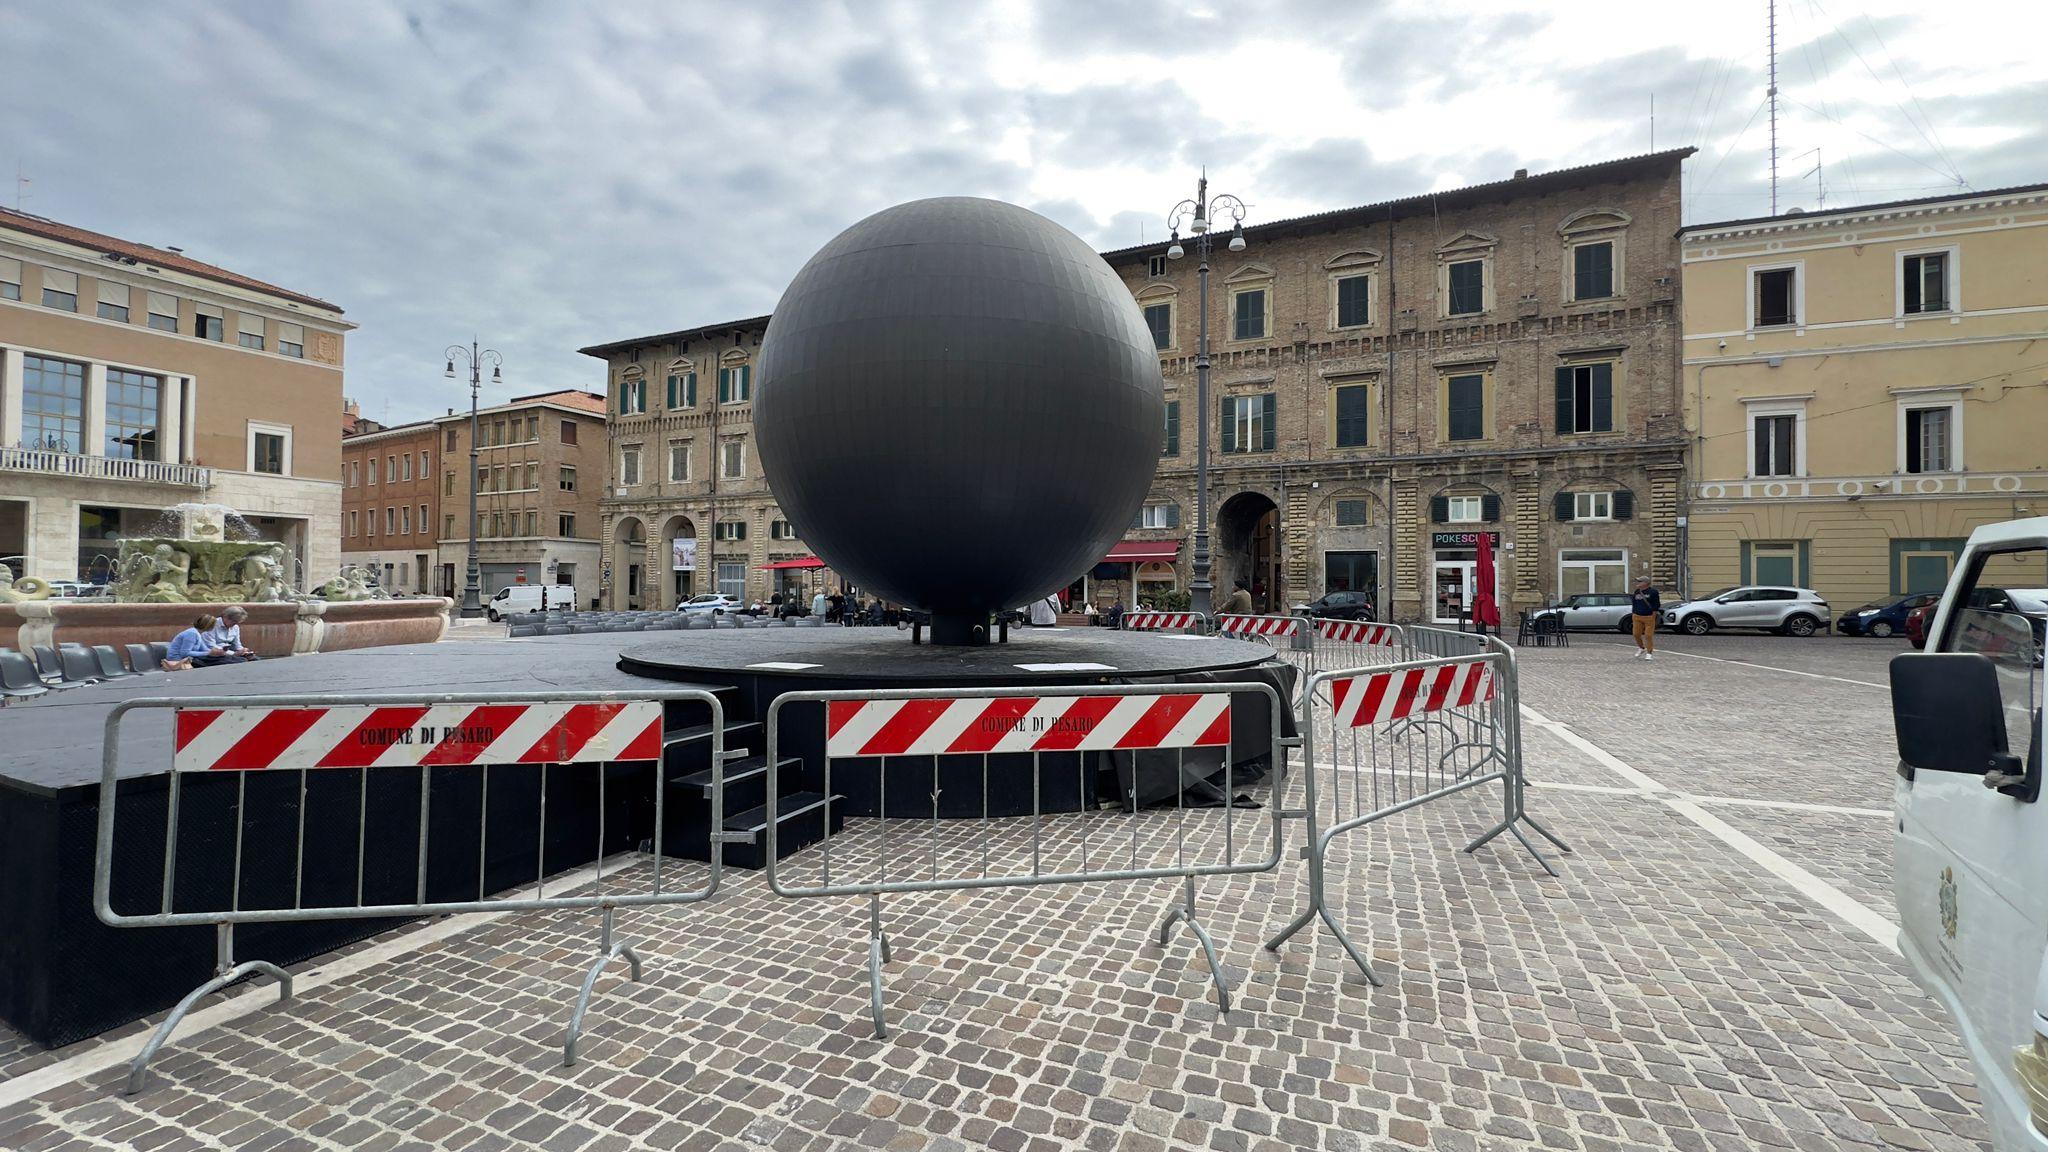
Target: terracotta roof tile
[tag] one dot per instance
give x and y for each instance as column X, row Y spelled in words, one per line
column 161, row 258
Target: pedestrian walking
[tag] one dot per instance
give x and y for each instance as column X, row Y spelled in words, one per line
column 1644, row 608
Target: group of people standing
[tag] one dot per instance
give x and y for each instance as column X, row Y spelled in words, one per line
column 211, row 641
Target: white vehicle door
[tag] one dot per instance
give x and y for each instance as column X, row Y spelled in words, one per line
column 1971, row 846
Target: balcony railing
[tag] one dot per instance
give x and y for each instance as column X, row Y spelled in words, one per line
column 48, row 463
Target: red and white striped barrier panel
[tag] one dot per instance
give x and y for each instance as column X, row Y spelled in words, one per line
column 1381, row 697
column 945, row 727
column 1356, row 632
column 396, row 735
column 1155, row 621
column 1258, row 625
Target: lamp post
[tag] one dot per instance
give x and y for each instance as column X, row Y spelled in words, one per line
column 472, row 593
column 1199, row 214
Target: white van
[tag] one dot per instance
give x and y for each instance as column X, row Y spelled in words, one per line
column 522, row 598
column 1970, row 850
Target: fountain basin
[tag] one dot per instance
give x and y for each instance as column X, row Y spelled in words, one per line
column 285, row 628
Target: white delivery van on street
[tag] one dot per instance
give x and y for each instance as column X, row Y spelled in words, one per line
column 520, row 599
column 1970, row 858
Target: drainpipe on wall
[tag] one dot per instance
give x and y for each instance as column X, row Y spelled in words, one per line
column 1385, row 576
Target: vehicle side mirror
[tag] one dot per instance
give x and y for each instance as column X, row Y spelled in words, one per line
column 1949, row 717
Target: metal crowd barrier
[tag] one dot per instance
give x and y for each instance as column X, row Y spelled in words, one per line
column 1193, row 623
column 1380, row 740
column 406, row 736
column 865, row 730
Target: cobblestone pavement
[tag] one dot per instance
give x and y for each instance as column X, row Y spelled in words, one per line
column 1666, row 992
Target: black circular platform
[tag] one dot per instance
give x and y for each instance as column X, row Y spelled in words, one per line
column 825, row 657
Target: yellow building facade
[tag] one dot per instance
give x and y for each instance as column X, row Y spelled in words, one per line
column 1864, row 386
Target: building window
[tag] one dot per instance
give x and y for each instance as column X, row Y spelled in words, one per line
column 567, row 482
column 450, row 445
column 423, row 522
column 249, row 331
column 736, row 384
column 568, row 431
column 682, row 390
column 10, row 278
column 113, row 300
column 781, row 530
column 209, row 322
column 1930, row 439
column 351, row 521
column 354, row 472
column 1924, row 283
column 732, row 579
column 133, row 404
column 565, row 525
column 391, row 469
column 163, row 311
column 60, row 289
column 447, row 483
column 732, row 459
column 1464, row 509
column 532, row 522
column 291, row 340
column 1354, row 301
column 1592, row 570
column 1162, row 514
column 1351, row 512
column 632, row 396
column 732, row 530
column 1248, row 314
column 533, row 428
column 1248, row 423
column 52, row 404
column 1465, row 407
column 405, row 521
column 1593, row 270
column 426, row 464
column 1156, row 267
column 448, row 526
column 1592, row 506
column 1159, row 318
column 390, row 521
column 1775, row 296
column 1467, row 287
column 405, row 466
column 370, row 524
column 1172, row 447
column 1585, row 398
column 1349, row 406
column 678, row 461
column 1775, row 444
column 629, row 466
column 483, row 479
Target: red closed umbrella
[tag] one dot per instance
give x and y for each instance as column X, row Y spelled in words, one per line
column 1485, row 611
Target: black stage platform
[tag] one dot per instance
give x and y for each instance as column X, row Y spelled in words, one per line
column 64, row 976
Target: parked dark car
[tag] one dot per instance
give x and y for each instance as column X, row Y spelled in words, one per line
column 1339, row 606
column 1883, row 618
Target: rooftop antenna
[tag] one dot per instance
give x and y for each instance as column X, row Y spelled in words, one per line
column 21, row 184
column 1820, row 188
column 1771, row 94
column 1653, row 121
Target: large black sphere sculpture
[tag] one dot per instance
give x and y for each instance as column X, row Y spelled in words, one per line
column 959, row 407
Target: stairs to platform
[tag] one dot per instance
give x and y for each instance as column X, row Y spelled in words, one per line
column 687, row 803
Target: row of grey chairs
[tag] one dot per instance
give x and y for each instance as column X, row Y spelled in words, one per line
column 46, row 668
column 586, row 622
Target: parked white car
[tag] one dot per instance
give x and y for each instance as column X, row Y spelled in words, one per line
column 1792, row 611
column 520, row 599
column 1602, row 611
column 1971, row 841
column 710, row 603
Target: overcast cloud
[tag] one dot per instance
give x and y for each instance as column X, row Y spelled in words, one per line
column 552, row 175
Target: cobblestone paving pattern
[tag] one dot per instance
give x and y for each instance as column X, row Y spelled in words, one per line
column 1664, row 993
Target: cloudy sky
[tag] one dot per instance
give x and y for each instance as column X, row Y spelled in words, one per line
column 552, row 175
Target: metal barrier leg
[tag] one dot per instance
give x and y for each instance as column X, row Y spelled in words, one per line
column 226, row 972
column 609, row 952
column 1545, row 833
column 1186, row 912
column 878, row 955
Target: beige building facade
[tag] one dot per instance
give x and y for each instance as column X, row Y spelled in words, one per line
column 1864, row 387
column 686, row 508
column 134, row 378
column 539, row 465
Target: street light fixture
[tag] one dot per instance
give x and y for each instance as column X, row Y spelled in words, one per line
column 476, row 358
column 1198, row 213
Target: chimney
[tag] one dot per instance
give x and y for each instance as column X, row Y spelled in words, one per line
column 350, row 408
column 1521, row 173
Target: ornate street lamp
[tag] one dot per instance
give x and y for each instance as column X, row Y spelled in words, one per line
column 472, row 592
column 1199, row 214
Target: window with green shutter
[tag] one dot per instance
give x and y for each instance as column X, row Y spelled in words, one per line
column 1349, row 404
column 1354, row 301
column 1172, row 429
column 1465, row 407
column 736, row 384
column 1249, row 423
column 1159, row 318
column 682, row 390
column 1585, row 398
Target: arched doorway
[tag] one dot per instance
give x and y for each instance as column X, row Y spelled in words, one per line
column 1248, row 549
column 629, row 557
column 679, row 562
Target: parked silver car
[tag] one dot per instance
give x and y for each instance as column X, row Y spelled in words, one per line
column 1792, row 611
column 1602, row 611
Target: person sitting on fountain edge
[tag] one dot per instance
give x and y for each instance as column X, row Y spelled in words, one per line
column 227, row 634
column 193, row 648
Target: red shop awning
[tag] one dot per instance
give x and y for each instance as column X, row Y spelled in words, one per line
column 1140, row 551
column 802, row 562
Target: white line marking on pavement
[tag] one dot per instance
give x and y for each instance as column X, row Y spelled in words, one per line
column 1767, row 667
column 255, row 997
column 1855, row 914
column 1790, row 805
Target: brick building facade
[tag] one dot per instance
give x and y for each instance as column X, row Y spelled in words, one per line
column 1388, row 380
column 391, row 505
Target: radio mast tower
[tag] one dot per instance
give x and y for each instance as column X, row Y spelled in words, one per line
column 1771, row 94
